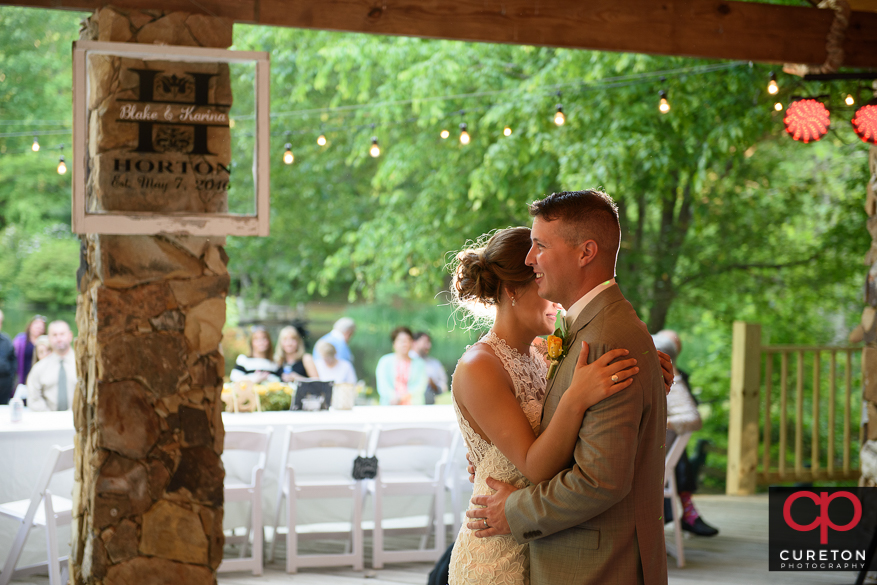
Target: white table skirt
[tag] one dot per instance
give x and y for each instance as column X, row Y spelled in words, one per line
column 24, row 447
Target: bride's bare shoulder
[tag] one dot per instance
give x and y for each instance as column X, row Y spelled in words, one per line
column 478, row 356
column 478, row 368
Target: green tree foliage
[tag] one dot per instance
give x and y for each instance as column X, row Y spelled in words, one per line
column 39, row 254
column 710, row 194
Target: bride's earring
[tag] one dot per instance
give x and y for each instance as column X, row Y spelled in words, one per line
column 513, row 301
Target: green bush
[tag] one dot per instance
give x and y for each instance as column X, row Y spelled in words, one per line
column 48, row 275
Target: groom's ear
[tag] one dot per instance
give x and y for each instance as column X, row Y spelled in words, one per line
column 587, row 252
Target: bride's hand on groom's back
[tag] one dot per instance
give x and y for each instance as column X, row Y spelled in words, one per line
column 602, row 378
column 666, row 370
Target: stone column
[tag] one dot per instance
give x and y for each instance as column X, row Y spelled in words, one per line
column 148, row 495
column 868, row 330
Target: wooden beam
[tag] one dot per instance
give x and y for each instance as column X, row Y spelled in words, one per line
column 713, row 29
column 864, row 5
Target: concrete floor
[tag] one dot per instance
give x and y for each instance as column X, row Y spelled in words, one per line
column 738, row 555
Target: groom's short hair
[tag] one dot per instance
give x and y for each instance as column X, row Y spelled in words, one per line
column 589, row 215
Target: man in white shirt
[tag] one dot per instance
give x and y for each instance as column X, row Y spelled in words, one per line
column 435, row 371
column 52, row 380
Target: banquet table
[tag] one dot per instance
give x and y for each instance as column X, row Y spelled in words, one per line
column 24, row 448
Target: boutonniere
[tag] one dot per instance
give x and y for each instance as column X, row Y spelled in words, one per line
column 558, row 346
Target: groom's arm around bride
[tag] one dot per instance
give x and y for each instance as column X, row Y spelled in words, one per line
column 599, row 521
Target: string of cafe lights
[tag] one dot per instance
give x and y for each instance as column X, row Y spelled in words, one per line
column 465, row 137
column 806, row 118
column 374, row 146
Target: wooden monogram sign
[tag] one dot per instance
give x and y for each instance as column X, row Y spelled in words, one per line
column 154, row 140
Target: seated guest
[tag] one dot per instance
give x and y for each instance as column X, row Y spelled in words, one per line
column 400, row 378
column 258, row 366
column 52, row 380
column 8, row 365
column 339, row 337
column 290, row 356
column 682, row 417
column 42, row 348
column 437, row 376
column 329, row 367
column 24, row 346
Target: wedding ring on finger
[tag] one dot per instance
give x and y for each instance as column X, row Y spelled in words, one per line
column 614, row 378
column 486, row 526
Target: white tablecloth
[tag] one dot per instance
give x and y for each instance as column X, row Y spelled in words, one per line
column 24, row 446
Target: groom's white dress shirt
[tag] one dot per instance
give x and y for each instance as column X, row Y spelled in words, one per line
column 577, row 307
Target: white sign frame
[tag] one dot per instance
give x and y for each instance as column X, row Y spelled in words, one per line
column 149, row 223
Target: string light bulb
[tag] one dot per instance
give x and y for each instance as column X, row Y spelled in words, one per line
column 850, row 100
column 445, row 134
column 772, row 87
column 375, row 150
column 36, row 145
column 464, row 135
column 559, row 118
column 321, row 140
column 62, row 168
column 288, row 157
column 778, row 107
column 663, row 105
column 507, row 131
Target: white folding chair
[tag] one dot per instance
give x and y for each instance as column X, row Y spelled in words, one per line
column 42, row 509
column 395, row 480
column 674, row 453
column 457, row 480
column 237, row 491
column 330, row 477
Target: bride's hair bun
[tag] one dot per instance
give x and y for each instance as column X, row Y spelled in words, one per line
column 481, row 271
column 473, row 279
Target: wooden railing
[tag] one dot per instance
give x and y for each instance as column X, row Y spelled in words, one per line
column 810, row 394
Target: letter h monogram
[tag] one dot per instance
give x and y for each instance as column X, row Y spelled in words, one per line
column 147, row 95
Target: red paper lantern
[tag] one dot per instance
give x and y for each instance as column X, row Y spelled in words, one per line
column 865, row 123
column 807, row 120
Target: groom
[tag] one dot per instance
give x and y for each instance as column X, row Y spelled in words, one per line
column 600, row 521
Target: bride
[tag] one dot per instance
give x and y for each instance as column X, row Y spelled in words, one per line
column 498, row 389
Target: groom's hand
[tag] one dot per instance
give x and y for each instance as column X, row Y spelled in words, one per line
column 493, row 511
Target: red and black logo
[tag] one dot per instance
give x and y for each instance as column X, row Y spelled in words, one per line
column 821, row 529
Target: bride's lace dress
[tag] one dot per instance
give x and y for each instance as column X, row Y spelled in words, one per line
column 499, row 559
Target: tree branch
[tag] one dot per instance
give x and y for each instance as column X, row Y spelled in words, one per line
column 754, row 265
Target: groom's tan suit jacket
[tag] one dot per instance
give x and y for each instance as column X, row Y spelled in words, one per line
column 600, row 522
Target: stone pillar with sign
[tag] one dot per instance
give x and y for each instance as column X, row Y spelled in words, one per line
column 148, row 498
column 868, row 333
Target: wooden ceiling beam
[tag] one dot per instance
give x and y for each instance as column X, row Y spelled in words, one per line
column 713, row 29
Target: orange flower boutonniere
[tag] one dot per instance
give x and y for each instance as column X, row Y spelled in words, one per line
column 558, row 346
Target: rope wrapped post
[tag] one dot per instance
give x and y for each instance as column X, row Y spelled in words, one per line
column 834, row 53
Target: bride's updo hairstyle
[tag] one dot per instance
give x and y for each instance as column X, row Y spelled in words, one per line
column 480, row 272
